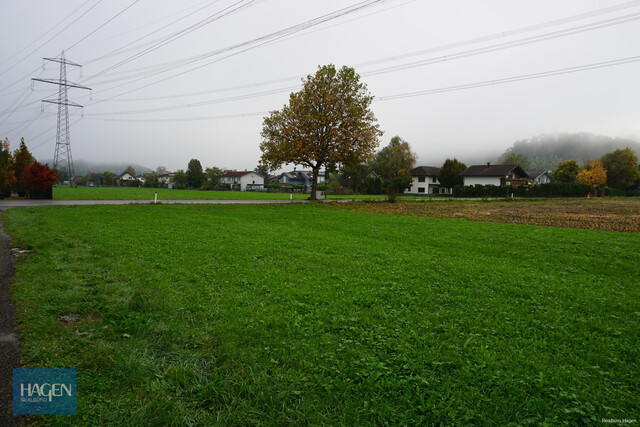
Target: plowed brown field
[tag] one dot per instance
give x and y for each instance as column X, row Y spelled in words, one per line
column 597, row 214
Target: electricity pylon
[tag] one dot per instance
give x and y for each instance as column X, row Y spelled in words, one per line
column 62, row 160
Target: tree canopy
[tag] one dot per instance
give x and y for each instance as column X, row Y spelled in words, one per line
column 327, row 122
column 21, row 172
column 195, row 176
column 180, row 179
column 516, row 159
column 131, row 171
column 567, row 171
column 622, row 168
column 449, row 175
column 394, row 157
column 593, row 173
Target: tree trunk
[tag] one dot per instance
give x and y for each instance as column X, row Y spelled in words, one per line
column 314, row 183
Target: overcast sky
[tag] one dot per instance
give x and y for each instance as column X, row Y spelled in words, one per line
column 173, row 80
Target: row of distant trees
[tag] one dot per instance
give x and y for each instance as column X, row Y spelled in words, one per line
column 618, row 169
column 21, row 173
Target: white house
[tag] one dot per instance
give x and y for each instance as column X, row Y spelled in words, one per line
column 425, row 181
column 494, row 175
column 126, row 176
column 540, row 177
column 243, row 180
column 165, row 179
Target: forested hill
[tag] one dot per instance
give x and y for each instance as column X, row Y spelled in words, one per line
column 544, row 152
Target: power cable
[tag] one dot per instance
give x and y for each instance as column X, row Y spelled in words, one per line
column 520, row 78
column 226, row 11
column 459, row 55
column 251, row 44
column 587, row 27
column 122, row 49
column 54, row 36
column 513, row 79
column 111, row 19
column 44, row 34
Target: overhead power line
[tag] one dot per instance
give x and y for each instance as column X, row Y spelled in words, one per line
column 44, row 34
column 510, row 44
column 429, row 61
column 255, row 43
column 226, row 11
column 111, row 19
column 51, row 38
column 561, row 71
column 185, row 119
column 495, row 82
column 123, row 49
column 534, row 39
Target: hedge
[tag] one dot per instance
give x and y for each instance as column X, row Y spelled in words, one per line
column 554, row 189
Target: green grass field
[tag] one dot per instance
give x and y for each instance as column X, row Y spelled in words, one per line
column 126, row 193
column 309, row 314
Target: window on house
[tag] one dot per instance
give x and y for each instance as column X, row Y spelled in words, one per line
column 421, row 179
column 435, row 178
column 420, row 189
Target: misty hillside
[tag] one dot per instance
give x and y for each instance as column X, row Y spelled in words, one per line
column 546, row 151
column 83, row 166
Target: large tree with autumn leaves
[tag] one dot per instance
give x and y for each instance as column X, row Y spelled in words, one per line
column 327, row 122
column 593, row 173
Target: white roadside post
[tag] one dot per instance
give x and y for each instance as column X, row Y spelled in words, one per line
column 156, row 199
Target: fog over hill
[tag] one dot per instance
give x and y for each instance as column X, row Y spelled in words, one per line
column 547, row 150
column 83, row 166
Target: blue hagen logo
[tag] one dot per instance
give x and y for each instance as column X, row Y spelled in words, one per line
column 45, row 391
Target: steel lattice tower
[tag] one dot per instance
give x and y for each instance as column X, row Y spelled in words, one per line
column 62, row 160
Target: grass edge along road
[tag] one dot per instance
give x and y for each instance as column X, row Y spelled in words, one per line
column 142, row 193
column 309, row 314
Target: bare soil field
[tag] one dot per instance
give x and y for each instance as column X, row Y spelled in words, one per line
column 609, row 214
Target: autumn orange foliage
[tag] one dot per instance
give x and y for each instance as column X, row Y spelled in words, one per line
column 593, row 173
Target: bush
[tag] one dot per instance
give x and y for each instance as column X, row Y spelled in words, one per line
column 554, row 189
column 615, row 192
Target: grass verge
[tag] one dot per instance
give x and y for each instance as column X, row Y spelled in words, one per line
column 311, row 314
column 127, row 193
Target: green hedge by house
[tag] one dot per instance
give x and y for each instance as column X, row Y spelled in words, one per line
column 554, row 189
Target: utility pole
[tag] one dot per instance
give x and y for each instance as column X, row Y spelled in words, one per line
column 62, row 160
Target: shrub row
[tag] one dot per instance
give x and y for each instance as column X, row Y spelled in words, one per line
column 555, row 189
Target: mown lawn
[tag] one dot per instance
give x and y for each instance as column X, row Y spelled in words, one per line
column 311, row 314
column 127, row 193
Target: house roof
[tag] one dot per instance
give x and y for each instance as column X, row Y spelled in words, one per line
column 297, row 175
column 425, row 171
column 536, row 174
column 493, row 170
column 123, row 174
column 237, row 173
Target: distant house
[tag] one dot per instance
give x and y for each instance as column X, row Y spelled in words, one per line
column 243, row 180
column 494, row 175
column 126, row 176
column 93, row 179
column 165, row 179
column 540, row 177
column 425, row 181
column 299, row 178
